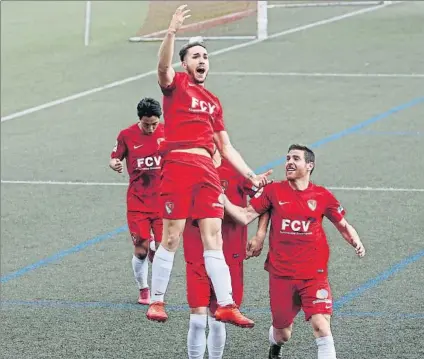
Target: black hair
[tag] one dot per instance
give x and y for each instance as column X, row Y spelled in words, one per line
column 149, row 107
column 309, row 154
column 184, row 49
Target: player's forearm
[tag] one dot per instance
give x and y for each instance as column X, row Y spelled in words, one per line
column 349, row 234
column 234, row 157
column 239, row 214
column 263, row 225
column 166, row 53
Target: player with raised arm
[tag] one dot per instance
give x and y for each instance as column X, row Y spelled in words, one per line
column 190, row 186
column 200, row 295
column 298, row 254
column 139, row 145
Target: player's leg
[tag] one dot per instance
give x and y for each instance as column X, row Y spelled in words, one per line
column 176, row 202
column 237, row 281
column 217, row 332
column 285, row 305
column 139, row 227
column 219, row 273
column 157, row 229
column 198, row 298
column 163, row 262
column 317, row 304
column 208, row 209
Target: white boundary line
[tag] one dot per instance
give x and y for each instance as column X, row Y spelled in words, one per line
column 115, row 184
column 214, row 53
column 314, row 74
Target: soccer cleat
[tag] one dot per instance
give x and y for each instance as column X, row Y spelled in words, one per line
column 156, row 312
column 144, row 296
column 275, row 352
column 231, row 314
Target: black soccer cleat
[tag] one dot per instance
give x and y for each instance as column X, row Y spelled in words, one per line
column 275, row 352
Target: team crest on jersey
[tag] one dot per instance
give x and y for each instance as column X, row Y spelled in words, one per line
column 322, row 294
column 160, row 139
column 312, row 204
column 169, row 207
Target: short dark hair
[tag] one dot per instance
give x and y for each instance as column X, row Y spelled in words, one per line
column 148, row 107
column 309, row 154
column 186, row 47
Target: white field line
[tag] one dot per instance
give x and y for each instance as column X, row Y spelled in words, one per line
column 114, row 184
column 213, row 53
column 314, row 74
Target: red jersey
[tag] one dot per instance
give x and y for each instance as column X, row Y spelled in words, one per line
column 298, row 246
column 143, row 160
column 192, row 114
column 234, row 235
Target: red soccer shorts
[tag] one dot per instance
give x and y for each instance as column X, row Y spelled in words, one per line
column 141, row 225
column 190, row 187
column 200, row 291
column 288, row 296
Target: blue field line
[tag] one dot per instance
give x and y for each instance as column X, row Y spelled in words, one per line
column 347, row 131
column 392, row 133
column 79, row 247
column 377, row 280
column 43, row 303
column 20, row 272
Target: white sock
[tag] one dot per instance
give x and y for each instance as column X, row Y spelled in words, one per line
column 196, row 337
column 272, row 340
column 216, row 338
column 219, row 273
column 141, row 271
column 161, row 273
column 326, row 349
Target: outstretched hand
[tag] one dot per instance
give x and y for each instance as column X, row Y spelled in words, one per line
column 178, row 18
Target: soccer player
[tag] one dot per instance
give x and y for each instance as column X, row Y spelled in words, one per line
column 298, row 254
column 139, row 145
column 200, row 295
column 190, row 186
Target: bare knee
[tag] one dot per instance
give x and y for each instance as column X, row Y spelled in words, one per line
column 321, row 325
column 210, row 231
column 140, row 253
column 283, row 335
column 141, row 246
column 172, row 231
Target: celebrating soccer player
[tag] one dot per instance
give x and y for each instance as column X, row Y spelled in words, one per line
column 298, row 254
column 200, row 294
column 139, row 145
column 190, row 186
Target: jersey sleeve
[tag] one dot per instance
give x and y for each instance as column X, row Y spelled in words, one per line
column 167, row 91
column 120, row 149
column 261, row 201
column 334, row 210
column 218, row 121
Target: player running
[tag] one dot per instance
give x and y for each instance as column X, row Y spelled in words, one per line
column 298, row 254
column 139, row 145
column 190, row 186
column 200, row 295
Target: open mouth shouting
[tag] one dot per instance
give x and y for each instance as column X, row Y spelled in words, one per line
column 290, row 169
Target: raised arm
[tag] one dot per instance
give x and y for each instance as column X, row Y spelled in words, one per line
column 351, row 236
column 166, row 73
column 227, row 151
